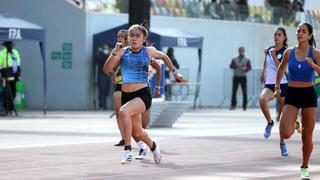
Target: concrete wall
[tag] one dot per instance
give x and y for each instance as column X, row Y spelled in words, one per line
column 72, row 88
column 221, row 42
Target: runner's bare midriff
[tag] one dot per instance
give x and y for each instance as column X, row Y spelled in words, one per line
column 131, row 87
column 299, row 84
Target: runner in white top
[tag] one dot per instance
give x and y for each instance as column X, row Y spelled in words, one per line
column 272, row 67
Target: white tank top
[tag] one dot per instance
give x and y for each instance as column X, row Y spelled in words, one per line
column 271, row 69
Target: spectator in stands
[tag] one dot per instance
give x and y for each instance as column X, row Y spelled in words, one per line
column 297, row 5
column 10, row 73
column 297, row 10
column 104, row 81
column 240, row 65
column 226, row 10
column 281, row 10
column 242, row 10
column 215, row 10
column 225, row 2
column 193, row 8
column 168, row 90
column 123, row 6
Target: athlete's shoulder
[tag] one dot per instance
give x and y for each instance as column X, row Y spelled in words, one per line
column 126, row 50
column 270, row 47
column 288, row 51
column 151, row 48
column 316, row 52
column 267, row 49
column 291, row 47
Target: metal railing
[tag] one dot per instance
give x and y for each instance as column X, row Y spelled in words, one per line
column 254, row 87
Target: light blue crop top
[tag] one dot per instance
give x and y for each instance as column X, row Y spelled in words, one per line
column 134, row 66
column 299, row 70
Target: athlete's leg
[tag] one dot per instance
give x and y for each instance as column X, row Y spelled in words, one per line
column 117, row 105
column 309, row 116
column 288, row 121
column 266, row 96
column 146, row 118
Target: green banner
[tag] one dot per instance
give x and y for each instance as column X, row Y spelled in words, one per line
column 55, row 55
column 67, row 47
column 66, row 64
column 67, row 56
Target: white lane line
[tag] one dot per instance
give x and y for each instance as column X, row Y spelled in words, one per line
column 120, row 148
column 192, row 157
column 55, row 144
column 186, row 169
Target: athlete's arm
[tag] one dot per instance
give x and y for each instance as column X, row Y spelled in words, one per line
column 316, row 63
column 114, row 76
column 152, row 52
column 262, row 77
column 281, row 70
column 156, row 66
column 113, row 60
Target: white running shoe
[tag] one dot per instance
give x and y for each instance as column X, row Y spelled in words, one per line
column 305, row 174
column 141, row 144
column 143, row 150
column 142, row 153
column 156, row 154
column 126, row 157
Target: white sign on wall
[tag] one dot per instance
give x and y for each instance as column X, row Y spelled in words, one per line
column 15, row 34
column 182, row 42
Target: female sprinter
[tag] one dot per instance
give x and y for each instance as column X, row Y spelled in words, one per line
column 302, row 60
column 136, row 98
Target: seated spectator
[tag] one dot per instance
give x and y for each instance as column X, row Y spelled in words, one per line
column 227, row 9
column 215, row 10
column 242, row 10
column 193, row 9
column 122, row 5
column 297, row 8
column 297, row 5
column 280, row 10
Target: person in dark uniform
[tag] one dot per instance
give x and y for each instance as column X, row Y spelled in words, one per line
column 104, row 81
column 240, row 65
column 10, row 72
column 168, row 89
